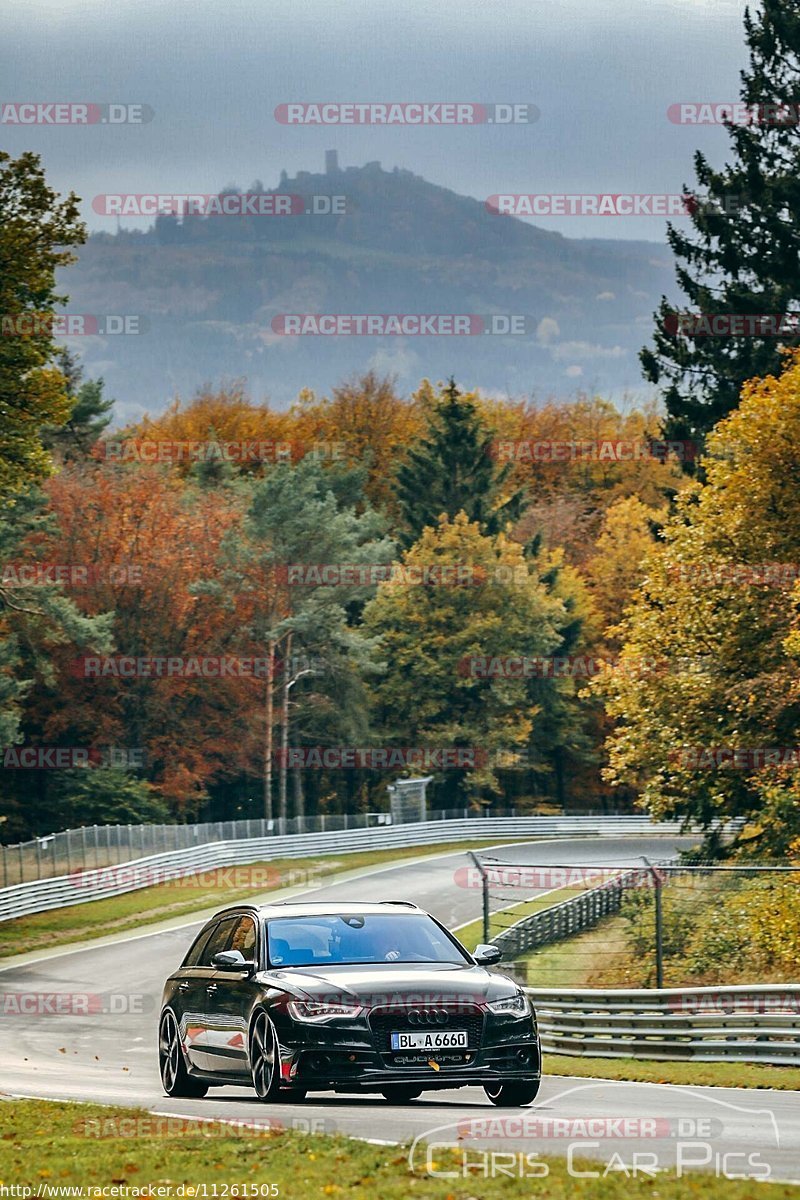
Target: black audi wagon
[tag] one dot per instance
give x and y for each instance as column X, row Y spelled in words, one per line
column 359, row 998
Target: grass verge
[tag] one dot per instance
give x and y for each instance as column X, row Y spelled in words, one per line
column 705, row 1074
column 45, row 1146
column 194, row 893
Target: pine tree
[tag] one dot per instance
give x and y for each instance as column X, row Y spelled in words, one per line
column 451, row 470
column 89, row 418
column 743, row 254
column 37, row 229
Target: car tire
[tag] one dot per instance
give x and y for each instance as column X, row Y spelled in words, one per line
column 400, row 1093
column 265, row 1061
column 512, row 1095
column 175, row 1079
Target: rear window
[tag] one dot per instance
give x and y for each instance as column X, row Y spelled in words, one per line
column 198, row 945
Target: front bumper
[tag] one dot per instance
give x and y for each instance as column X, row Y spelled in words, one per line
column 355, row 1057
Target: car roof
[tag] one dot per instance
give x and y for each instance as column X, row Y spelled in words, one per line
column 334, row 908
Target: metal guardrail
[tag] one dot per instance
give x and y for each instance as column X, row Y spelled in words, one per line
column 87, row 846
column 41, row 895
column 706, row 1024
column 100, row 845
column 571, row 916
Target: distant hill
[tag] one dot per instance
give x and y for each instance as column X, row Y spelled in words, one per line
column 209, row 289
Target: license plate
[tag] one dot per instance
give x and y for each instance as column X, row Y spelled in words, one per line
column 433, row 1040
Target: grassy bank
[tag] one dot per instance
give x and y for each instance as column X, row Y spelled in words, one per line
column 51, row 1145
column 708, row 1074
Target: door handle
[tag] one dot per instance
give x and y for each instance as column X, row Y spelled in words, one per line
column 183, row 987
column 212, row 987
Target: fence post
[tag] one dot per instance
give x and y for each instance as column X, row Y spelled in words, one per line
column 484, row 894
column 659, row 922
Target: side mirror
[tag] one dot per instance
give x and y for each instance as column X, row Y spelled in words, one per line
column 231, row 960
column 485, row 955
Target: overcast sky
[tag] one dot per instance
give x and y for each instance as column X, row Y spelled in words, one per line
column 602, row 72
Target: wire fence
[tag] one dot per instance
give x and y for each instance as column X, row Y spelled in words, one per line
column 94, row 846
column 664, row 924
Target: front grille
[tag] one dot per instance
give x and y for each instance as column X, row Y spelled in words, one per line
column 385, row 1021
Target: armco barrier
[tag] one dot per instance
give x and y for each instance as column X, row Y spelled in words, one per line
column 43, row 894
column 707, row 1024
column 565, row 919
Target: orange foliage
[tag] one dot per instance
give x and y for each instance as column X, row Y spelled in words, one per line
column 226, row 416
column 367, row 421
column 145, row 540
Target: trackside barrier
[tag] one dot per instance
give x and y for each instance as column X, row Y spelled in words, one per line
column 706, row 1024
column 41, row 895
column 571, row 916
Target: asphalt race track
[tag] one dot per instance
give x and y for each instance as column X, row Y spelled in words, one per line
column 109, row 1055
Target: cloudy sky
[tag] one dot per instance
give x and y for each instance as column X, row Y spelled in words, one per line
column 602, row 73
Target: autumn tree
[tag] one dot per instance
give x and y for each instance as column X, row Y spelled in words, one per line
column 616, row 568
column 430, row 633
column 38, row 620
column 214, row 430
column 134, row 540
column 709, row 661
column 363, row 422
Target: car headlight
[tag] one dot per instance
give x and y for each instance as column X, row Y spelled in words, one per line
column 516, row 1005
column 316, row 1012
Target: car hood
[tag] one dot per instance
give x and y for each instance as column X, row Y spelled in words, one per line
column 406, row 983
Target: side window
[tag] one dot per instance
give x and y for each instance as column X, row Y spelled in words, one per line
column 243, row 938
column 218, row 941
column 198, row 945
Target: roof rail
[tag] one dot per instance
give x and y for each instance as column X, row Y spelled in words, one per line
column 405, row 903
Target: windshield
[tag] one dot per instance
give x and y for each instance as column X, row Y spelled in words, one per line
column 359, row 938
